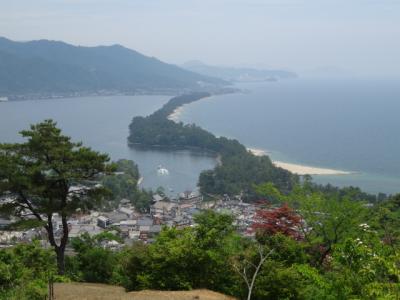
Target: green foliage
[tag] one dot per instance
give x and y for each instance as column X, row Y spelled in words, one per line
column 132, row 269
column 344, row 253
column 365, row 266
column 212, row 228
column 269, row 192
column 386, row 220
column 355, row 193
column 277, row 282
column 25, row 270
column 92, row 262
column 123, row 185
column 186, row 258
column 286, row 249
column 359, row 265
column 49, row 174
column 128, row 167
column 331, row 221
column 40, row 171
column 328, row 220
column 157, row 130
column 96, row 265
column 240, row 171
column 313, row 285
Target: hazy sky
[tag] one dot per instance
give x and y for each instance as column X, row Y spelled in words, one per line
column 361, row 36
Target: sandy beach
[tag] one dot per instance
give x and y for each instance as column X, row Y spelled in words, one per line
column 176, row 114
column 294, row 168
column 308, row 170
column 300, row 169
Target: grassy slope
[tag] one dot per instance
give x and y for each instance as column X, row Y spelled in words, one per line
column 92, row 291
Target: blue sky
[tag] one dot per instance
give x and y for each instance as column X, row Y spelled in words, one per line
column 358, row 36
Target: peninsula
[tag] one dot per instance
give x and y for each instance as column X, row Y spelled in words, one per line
column 238, row 170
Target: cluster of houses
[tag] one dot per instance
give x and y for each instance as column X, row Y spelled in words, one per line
column 132, row 226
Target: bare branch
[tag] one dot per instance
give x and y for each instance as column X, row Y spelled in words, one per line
column 243, row 275
column 30, row 206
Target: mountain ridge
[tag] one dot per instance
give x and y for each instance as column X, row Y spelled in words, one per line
column 45, row 67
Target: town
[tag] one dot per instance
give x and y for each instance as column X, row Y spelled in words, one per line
column 130, row 225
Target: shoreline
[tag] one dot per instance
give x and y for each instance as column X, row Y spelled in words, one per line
column 177, row 112
column 39, row 97
column 300, row 169
column 174, row 116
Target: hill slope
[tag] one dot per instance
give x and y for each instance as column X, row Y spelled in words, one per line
column 44, row 66
column 92, row 291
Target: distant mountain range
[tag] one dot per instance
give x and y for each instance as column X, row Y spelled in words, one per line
column 233, row 74
column 46, row 67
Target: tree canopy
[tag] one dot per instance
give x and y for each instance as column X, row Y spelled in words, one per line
column 47, row 176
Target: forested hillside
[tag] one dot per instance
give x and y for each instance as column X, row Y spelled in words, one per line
column 43, row 66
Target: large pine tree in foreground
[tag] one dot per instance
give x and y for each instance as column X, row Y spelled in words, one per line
column 48, row 175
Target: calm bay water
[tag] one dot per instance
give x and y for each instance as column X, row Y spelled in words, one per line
column 345, row 125
column 348, row 125
column 102, row 123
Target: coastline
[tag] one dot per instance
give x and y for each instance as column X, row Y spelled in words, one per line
column 175, row 115
column 56, row 96
column 298, row 168
column 177, row 112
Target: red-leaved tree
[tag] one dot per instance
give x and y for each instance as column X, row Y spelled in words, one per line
column 282, row 220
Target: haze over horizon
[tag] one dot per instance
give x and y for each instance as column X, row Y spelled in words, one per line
column 331, row 36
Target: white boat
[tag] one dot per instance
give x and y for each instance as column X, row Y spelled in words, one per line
column 162, row 171
column 3, row 99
